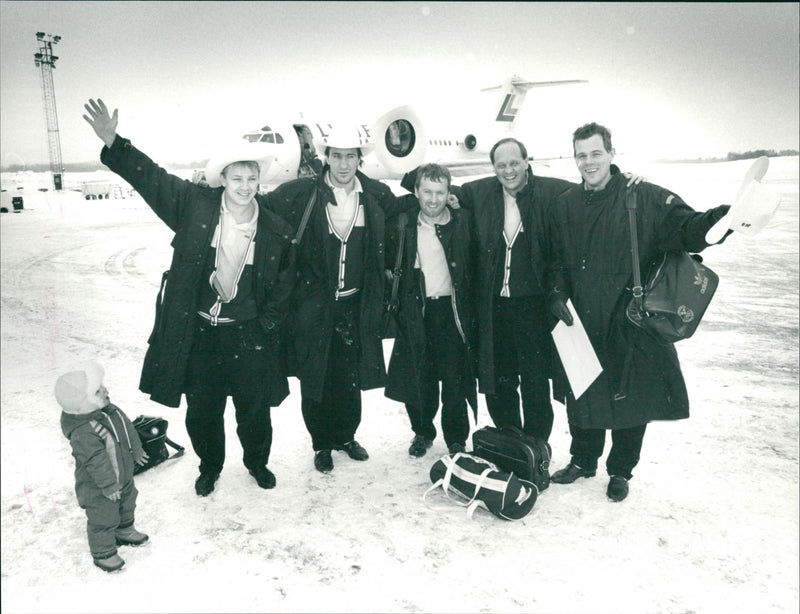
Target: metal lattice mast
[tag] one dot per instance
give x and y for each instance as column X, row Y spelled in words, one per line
column 46, row 62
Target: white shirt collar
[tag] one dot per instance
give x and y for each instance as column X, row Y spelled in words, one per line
column 337, row 190
column 251, row 223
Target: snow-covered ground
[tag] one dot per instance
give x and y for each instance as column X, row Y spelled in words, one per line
column 711, row 523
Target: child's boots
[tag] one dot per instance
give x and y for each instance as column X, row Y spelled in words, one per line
column 130, row 537
column 110, row 563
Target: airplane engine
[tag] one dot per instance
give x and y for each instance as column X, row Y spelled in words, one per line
column 470, row 142
column 400, row 140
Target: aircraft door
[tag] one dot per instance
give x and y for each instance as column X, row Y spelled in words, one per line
column 310, row 164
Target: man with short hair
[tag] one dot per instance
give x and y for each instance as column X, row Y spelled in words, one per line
column 219, row 315
column 339, row 298
column 436, row 315
column 641, row 378
column 513, row 246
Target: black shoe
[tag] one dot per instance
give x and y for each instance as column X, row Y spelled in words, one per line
column 617, row 488
column 264, row 477
column 354, row 450
column 455, row 448
column 419, row 446
column 570, row 473
column 204, row 485
column 323, row 461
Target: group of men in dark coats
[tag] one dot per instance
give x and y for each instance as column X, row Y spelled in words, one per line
column 294, row 282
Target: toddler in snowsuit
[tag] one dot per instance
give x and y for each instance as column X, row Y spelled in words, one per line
column 105, row 446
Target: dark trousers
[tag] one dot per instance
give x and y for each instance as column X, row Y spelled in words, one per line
column 446, row 361
column 228, row 361
column 104, row 517
column 334, row 421
column 626, row 446
column 521, row 356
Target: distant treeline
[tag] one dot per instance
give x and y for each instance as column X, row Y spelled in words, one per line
column 745, row 155
column 770, row 153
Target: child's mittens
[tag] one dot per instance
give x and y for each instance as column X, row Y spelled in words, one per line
column 114, row 496
column 140, row 459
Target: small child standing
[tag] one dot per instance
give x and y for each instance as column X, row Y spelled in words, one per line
column 105, row 446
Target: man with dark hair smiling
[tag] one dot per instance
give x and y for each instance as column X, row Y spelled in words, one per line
column 436, row 316
column 339, row 298
column 641, row 378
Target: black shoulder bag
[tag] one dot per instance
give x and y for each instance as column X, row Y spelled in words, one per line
column 676, row 293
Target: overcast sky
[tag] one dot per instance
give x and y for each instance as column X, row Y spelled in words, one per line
column 669, row 79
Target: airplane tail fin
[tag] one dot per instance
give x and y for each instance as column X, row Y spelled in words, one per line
column 513, row 95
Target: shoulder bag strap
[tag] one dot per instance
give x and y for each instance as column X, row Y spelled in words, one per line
column 402, row 220
column 306, row 214
column 176, row 446
column 637, row 290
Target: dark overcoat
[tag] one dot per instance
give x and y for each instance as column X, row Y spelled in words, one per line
column 641, row 379
column 314, row 299
column 408, row 361
column 484, row 197
column 192, row 212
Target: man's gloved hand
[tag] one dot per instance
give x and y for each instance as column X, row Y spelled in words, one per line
column 558, row 306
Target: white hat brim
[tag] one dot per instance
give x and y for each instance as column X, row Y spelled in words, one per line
column 343, row 138
column 751, row 197
column 239, row 151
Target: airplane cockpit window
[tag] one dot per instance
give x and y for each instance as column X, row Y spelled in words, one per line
column 252, row 138
column 278, row 138
column 267, row 138
column 400, row 138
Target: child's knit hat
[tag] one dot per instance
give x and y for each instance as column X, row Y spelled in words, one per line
column 74, row 388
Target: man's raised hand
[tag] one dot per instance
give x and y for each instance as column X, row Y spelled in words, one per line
column 103, row 124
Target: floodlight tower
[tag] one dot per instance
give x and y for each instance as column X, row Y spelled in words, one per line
column 46, row 62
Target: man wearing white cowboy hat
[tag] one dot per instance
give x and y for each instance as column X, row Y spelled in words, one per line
column 218, row 319
column 339, row 297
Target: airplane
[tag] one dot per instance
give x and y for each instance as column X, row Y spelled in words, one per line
column 402, row 140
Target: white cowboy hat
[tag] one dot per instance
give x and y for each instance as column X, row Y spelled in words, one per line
column 344, row 137
column 753, row 208
column 237, row 151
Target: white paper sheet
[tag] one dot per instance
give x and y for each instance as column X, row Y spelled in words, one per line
column 577, row 354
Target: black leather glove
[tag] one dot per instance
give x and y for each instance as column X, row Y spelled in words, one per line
column 558, row 306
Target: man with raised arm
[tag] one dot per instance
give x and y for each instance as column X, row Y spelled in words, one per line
column 228, row 290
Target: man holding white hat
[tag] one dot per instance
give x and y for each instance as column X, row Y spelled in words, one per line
column 341, row 216
column 754, row 207
column 641, row 379
column 218, row 318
